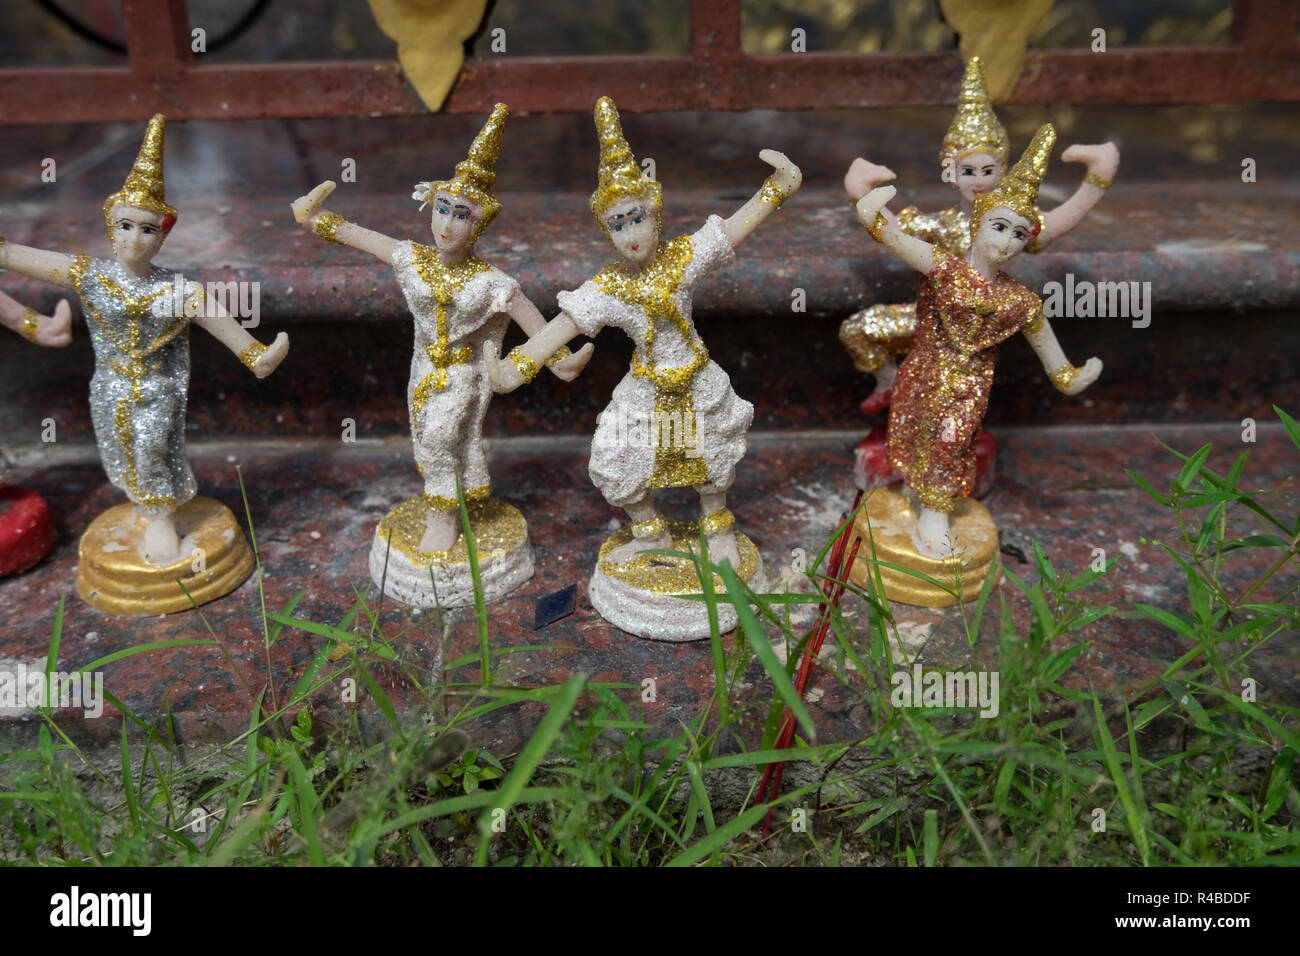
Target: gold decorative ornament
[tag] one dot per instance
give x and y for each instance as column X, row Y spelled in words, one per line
column 619, row 177
column 31, row 323
column 251, row 354
column 650, row 528
column 559, row 355
column 143, row 188
column 1092, row 179
column 1064, row 376
column 875, row 228
column 772, row 193
column 720, row 520
column 975, row 128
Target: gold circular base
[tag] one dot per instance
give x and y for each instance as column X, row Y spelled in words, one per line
column 498, row 528
column 892, row 522
column 664, row 575
column 112, row 575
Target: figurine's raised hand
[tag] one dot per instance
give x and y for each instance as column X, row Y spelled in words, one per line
column 567, row 369
column 306, row 207
column 272, row 357
column 874, row 201
column 1085, row 376
column 787, row 174
column 864, row 176
column 55, row 330
column 1102, row 158
column 502, row 376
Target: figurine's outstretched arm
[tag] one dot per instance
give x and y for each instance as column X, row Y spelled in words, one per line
column 1102, row 162
column 55, row 330
column 532, row 355
column 864, row 176
column 917, row 253
column 530, row 319
column 776, row 189
column 43, row 264
column 1066, row 377
column 330, row 225
column 260, row 359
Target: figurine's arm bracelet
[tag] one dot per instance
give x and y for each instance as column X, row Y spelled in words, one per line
column 1092, row 179
column 1063, row 377
column 559, row 355
column 527, row 367
column 772, row 193
column 327, row 224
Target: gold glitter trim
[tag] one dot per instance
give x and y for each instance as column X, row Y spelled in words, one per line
column 874, row 229
column 527, row 367
column 772, row 193
column 1018, row 189
column 975, row 128
column 143, row 188
column 251, row 354
column 327, row 224
column 1064, row 376
column 657, row 574
column 1092, row 179
column 559, row 355
column 649, row 528
column 443, row 503
column 720, row 520
column 619, row 176
column 1034, row 325
column 31, row 323
column 497, row 526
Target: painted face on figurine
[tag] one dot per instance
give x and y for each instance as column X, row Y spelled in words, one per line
column 138, row 234
column 633, row 226
column 1002, row 234
column 454, row 221
column 976, row 173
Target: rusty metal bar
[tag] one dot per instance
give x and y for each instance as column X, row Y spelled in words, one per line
column 1263, row 64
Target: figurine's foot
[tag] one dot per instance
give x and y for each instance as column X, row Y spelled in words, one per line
column 877, row 401
column 722, row 545
column 933, row 534
column 162, row 542
column 440, row 531
column 627, row 552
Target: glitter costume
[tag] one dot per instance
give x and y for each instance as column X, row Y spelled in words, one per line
column 457, row 309
column 138, row 393
column 942, row 389
column 673, row 399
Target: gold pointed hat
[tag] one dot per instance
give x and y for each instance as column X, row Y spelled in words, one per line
column 1018, row 188
column 975, row 128
column 143, row 188
column 619, row 176
column 477, row 172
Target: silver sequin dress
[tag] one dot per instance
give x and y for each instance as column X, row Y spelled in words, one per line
column 140, row 334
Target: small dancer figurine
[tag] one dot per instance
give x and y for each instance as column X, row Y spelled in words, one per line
column 964, row 309
column 139, row 317
column 26, row 525
column 973, row 158
column 674, row 420
column 459, row 303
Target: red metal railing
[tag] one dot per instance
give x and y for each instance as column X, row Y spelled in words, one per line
column 1263, row 62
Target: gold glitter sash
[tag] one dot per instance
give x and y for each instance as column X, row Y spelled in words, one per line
column 653, row 289
column 444, row 282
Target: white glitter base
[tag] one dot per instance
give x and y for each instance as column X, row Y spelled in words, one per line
column 662, row 617
column 409, row 582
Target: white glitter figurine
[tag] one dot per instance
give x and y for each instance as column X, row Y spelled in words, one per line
column 674, row 420
column 459, row 303
column 139, row 317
